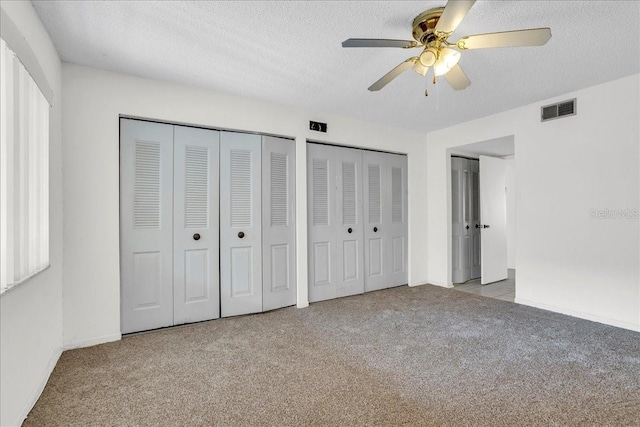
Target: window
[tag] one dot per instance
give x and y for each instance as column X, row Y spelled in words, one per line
column 24, row 173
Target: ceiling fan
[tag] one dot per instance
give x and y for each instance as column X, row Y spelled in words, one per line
column 431, row 30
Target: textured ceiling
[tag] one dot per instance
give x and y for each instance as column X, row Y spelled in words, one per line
column 289, row 52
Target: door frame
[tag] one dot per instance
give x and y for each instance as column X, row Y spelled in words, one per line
column 459, row 151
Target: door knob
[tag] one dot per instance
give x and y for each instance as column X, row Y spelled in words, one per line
column 196, row 236
column 241, row 234
column 482, row 226
column 467, row 227
column 375, row 229
column 349, row 230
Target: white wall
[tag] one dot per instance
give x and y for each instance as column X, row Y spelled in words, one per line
column 31, row 313
column 567, row 261
column 93, row 101
column 510, row 163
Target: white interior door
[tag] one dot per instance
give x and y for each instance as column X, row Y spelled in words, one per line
column 146, row 225
column 278, row 223
column 461, row 269
column 377, row 233
column 240, row 224
column 397, row 225
column 349, row 228
column 195, row 217
column 321, row 196
column 474, row 216
column 493, row 213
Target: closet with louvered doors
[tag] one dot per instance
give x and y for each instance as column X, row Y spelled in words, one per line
column 176, row 227
column 257, row 223
column 357, row 221
column 465, row 219
column 385, row 220
column 168, row 225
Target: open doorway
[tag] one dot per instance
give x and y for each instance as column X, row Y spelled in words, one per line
column 482, row 218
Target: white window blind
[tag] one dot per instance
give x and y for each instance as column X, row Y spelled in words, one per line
column 24, row 173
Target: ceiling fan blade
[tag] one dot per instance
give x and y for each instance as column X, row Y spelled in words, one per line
column 386, row 79
column 456, row 78
column 454, row 12
column 379, row 43
column 532, row 37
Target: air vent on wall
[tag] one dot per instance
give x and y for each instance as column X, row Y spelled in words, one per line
column 555, row 111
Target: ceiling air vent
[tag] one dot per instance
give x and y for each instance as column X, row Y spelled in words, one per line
column 561, row 109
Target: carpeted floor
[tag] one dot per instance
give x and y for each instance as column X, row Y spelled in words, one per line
column 403, row 356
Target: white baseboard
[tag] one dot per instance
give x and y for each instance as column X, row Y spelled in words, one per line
column 92, row 341
column 442, row 285
column 53, row 360
column 581, row 315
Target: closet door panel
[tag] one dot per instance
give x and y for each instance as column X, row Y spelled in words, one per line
column 349, row 228
column 474, row 212
column 396, row 203
column 196, row 217
column 461, row 271
column 278, row 223
column 240, row 224
column 376, row 220
column 321, row 199
column 146, row 225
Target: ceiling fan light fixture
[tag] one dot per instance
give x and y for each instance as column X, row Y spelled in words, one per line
column 420, row 69
column 448, row 59
column 428, row 57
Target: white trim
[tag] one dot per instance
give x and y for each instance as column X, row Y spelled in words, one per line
column 35, row 395
column 579, row 314
column 93, row 341
column 442, row 285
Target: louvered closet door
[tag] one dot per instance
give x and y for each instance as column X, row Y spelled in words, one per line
column 278, row 223
column 474, row 212
column 396, row 203
column 146, row 225
column 459, row 200
column 240, row 224
column 321, row 196
column 349, row 229
column 195, row 241
column 377, row 236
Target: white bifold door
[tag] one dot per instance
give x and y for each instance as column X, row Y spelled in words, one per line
column 168, row 225
column 278, row 223
column 385, row 219
column 465, row 219
column 207, row 224
column 357, row 221
column 257, row 223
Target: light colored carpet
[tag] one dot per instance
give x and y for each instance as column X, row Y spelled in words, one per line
column 403, row 356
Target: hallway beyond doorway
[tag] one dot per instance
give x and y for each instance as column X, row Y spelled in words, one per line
column 504, row 290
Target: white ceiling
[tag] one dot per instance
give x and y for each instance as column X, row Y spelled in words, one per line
column 289, row 52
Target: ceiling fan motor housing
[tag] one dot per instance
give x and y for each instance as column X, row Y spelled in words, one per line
column 425, row 24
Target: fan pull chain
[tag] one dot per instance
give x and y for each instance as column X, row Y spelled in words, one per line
column 437, row 94
column 426, row 89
